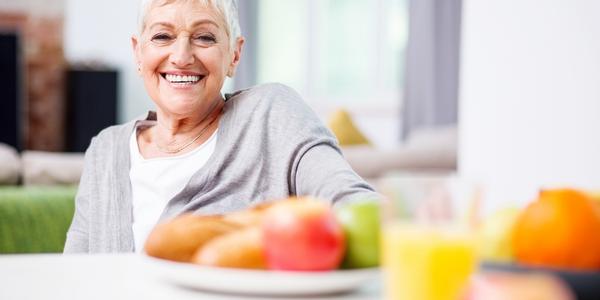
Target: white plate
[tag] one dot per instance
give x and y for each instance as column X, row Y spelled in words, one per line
column 256, row 282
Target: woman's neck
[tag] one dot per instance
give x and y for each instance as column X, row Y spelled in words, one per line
column 173, row 134
column 171, row 125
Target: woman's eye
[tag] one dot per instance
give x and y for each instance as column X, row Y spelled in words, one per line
column 161, row 37
column 206, row 39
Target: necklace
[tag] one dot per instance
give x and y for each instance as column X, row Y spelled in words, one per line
column 186, row 145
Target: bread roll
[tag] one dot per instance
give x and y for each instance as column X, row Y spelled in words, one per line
column 179, row 238
column 238, row 249
column 248, row 217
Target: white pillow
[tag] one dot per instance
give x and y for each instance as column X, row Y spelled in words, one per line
column 48, row 168
column 10, row 165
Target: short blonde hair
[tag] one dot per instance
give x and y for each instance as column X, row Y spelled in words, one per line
column 226, row 8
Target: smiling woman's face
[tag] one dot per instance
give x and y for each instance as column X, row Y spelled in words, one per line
column 184, row 55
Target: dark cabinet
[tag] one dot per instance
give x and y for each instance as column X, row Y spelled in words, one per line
column 91, row 105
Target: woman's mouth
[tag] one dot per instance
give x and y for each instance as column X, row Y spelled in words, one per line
column 182, row 79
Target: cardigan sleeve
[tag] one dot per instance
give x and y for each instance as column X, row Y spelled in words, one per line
column 323, row 172
column 295, row 134
column 78, row 234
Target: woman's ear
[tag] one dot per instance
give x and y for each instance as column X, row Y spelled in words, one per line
column 136, row 52
column 237, row 54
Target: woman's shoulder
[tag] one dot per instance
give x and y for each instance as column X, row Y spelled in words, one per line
column 116, row 131
column 278, row 90
column 269, row 97
column 271, row 88
column 278, row 106
column 112, row 135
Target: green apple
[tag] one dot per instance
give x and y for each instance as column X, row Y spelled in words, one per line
column 495, row 235
column 361, row 224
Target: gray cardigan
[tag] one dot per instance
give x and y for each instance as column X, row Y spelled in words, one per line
column 270, row 146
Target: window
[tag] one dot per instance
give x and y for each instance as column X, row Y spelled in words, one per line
column 335, row 53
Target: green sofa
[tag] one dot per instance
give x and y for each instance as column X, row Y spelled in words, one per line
column 35, row 219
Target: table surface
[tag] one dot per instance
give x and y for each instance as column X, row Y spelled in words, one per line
column 110, row 276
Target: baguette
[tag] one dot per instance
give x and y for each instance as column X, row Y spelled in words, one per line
column 248, row 217
column 179, row 238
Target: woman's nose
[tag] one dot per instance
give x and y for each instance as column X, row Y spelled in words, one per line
column 182, row 55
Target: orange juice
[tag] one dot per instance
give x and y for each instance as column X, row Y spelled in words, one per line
column 426, row 263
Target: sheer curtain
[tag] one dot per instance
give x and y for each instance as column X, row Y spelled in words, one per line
column 431, row 86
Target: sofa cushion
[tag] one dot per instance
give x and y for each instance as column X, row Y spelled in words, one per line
column 345, row 130
column 10, row 165
column 431, row 150
column 35, row 219
column 51, row 168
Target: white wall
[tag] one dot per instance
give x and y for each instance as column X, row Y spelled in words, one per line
column 35, row 7
column 530, row 96
column 100, row 31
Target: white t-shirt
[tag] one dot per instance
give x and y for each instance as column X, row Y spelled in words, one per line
column 155, row 181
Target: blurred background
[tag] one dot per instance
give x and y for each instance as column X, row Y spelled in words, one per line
column 503, row 92
column 503, row 95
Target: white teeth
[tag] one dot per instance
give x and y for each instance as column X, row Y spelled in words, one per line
column 182, row 79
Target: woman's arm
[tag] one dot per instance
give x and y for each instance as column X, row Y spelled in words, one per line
column 323, row 172
column 78, row 236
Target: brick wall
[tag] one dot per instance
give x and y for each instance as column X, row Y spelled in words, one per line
column 43, row 61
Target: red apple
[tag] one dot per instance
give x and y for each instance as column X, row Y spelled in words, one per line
column 302, row 235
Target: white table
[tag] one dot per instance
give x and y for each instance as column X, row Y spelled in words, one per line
column 118, row 276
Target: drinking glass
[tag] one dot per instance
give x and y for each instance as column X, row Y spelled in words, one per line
column 428, row 246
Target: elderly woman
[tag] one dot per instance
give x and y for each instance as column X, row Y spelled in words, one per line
column 200, row 151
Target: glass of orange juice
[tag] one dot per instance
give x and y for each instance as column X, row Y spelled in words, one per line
column 428, row 247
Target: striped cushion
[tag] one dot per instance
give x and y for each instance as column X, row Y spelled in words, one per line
column 35, row 219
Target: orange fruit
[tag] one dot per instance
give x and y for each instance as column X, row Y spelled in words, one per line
column 596, row 197
column 561, row 229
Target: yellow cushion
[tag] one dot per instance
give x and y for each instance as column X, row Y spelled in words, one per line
column 344, row 129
